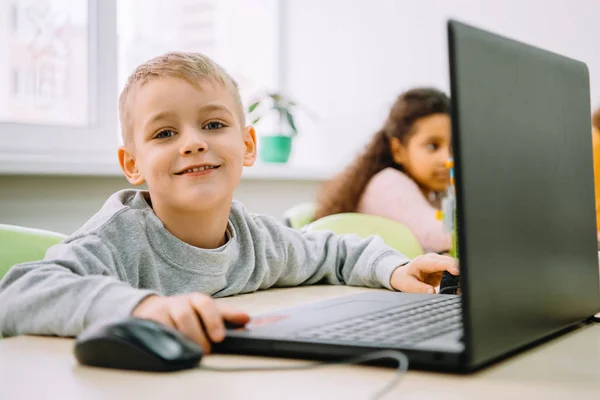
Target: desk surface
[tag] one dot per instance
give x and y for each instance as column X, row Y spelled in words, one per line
column 39, row 367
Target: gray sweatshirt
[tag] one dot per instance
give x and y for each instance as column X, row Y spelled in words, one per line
column 124, row 253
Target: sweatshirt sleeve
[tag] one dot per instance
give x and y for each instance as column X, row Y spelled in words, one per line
column 304, row 258
column 78, row 282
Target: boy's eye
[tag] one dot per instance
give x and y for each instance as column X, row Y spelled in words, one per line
column 212, row 125
column 432, row 146
column 164, row 134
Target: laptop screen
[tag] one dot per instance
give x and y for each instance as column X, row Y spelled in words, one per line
column 524, row 180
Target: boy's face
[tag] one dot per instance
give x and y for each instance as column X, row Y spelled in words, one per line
column 189, row 143
column 427, row 151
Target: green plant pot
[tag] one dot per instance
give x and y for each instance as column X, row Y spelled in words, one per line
column 275, row 148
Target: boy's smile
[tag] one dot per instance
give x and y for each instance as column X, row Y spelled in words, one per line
column 198, row 170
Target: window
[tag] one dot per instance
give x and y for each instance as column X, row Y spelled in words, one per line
column 64, row 62
column 44, row 71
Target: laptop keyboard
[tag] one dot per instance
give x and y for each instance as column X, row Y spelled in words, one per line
column 399, row 325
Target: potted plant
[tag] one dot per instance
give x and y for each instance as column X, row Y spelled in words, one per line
column 277, row 146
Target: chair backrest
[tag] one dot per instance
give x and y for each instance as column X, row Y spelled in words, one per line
column 394, row 234
column 19, row 244
column 300, row 215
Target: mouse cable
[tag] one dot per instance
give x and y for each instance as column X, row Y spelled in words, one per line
column 376, row 355
column 448, row 288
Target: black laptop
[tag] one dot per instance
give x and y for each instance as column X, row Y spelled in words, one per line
column 526, row 225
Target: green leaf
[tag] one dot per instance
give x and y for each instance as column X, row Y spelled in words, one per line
column 253, row 106
column 255, row 121
column 276, row 97
column 290, row 119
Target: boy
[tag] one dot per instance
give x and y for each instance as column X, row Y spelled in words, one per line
column 153, row 254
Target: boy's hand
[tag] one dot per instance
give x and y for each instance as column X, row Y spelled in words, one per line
column 423, row 274
column 195, row 315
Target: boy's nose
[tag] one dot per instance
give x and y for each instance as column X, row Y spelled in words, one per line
column 192, row 150
column 194, row 144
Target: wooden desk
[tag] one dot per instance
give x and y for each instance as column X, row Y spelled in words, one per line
column 36, row 368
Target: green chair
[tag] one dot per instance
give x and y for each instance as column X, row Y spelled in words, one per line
column 394, row 234
column 300, row 215
column 19, row 244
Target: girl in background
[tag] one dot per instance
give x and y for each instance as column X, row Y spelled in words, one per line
column 402, row 173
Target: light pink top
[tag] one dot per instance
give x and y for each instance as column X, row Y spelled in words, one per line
column 392, row 194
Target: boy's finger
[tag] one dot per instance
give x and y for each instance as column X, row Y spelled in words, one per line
column 413, row 285
column 439, row 257
column 211, row 319
column 234, row 316
column 162, row 318
column 434, row 279
column 438, row 264
column 186, row 321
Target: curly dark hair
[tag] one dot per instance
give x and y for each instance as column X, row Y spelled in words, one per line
column 343, row 192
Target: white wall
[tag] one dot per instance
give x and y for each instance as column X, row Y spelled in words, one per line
column 349, row 59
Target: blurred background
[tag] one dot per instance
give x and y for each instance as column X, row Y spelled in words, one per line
column 64, row 62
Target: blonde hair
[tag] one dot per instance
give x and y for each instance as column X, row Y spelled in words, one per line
column 193, row 67
column 596, row 119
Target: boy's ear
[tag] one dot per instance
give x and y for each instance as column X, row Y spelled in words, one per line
column 129, row 167
column 399, row 152
column 250, row 146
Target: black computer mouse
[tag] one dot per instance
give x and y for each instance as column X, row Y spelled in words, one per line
column 136, row 344
column 450, row 284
